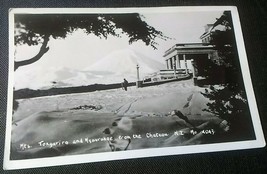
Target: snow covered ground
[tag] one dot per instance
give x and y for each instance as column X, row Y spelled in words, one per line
column 118, row 120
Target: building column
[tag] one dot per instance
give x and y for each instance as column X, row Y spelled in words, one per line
column 185, row 64
column 209, row 56
column 178, row 61
column 171, row 63
column 167, row 64
column 194, row 72
column 174, row 65
column 194, row 68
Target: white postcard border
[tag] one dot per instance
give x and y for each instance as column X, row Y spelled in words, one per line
column 152, row 152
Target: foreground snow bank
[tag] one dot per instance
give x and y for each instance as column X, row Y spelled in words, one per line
column 135, row 119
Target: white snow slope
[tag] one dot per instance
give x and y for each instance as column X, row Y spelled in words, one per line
column 123, row 64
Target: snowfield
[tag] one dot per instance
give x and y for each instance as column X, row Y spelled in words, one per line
column 113, row 120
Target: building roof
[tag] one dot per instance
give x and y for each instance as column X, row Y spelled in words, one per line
column 188, row 46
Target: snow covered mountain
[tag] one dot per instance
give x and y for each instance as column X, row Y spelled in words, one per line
column 42, row 78
column 110, row 69
column 124, row 62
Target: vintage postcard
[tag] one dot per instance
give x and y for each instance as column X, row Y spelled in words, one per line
column 89, row 85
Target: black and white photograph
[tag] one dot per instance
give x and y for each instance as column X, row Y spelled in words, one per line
column 89, row 85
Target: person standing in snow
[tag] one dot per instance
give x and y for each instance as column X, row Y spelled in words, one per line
column 125, row 84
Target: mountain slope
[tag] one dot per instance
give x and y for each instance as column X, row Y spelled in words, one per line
column 110, row 69
column 125, row 62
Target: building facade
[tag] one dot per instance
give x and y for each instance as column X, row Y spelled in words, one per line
column 192, row 57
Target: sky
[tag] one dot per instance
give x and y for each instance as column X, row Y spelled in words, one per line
column 79, row 50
